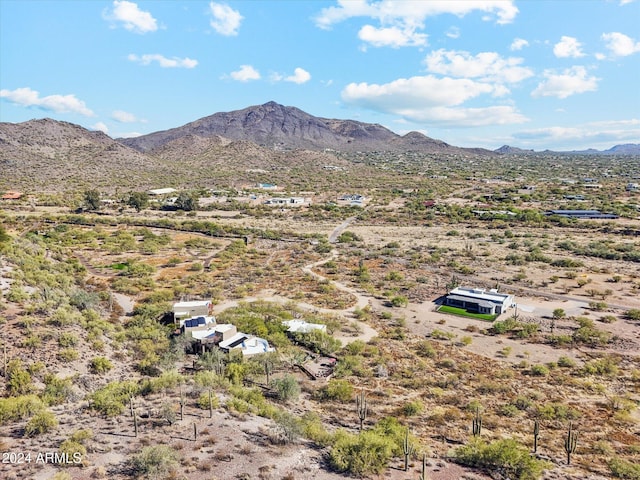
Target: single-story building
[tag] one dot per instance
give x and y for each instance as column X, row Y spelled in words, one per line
column 161, row 191
column 12, row 196
column 584, row 214
column 478, row 300
column 300, row 326
column 248, row 345
column 187, row 310
column 285, row 201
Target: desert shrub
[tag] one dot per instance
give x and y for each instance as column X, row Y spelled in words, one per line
column 68, row 355
column 556, row 411
column 566, row 362
column 41, row 422
column 340, row 390
column 314, row 430
column 100, row 365
column 363, row 454
column 66, row 340
column 155, row 461
column 56, row 390
column 621, row 468
column 286, row 388
column 411, row 409
column 426, row 349
column 601, row 366
column 18, row 408
column 18, row 379
column 111, row 399
column 288, row 427
column 506, row 456
column 203, row 401
column 539, row 370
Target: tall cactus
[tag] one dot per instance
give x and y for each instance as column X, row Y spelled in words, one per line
column 423, row 474
column 536, row 433
column 407, row 449
column 361, row 406
column 570, row 443
column 477, row 423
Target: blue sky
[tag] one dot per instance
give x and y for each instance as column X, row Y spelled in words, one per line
column 475, row 73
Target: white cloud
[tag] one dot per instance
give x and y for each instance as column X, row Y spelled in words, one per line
column 164, row 62
column 245, row 74
column 518, row 44
column 620, row 44
column 568, row 47
column 593, row 135
column 453, row 32
column 572, row 81
column 489, row 66
column 100, row 126
column 431, row 99
column 131, row 17
column 125, row 117
column 392, row 37
column 226, row 21
column 413, row 13
column 54, row 103
column 299, row 76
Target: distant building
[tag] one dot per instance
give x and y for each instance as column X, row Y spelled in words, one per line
column 477, row 300
column 247, row 344
column 267, row 186
column 184, row 310
column 632, row 187
column 300, row 326
column 288, row 201
column 12, row 196
column 161, row 191
column 583, row 214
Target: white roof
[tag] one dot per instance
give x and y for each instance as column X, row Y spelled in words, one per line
column 191, row 304
column 161, row 191
column 481, row 294
column 248, row 344
column 200, row 332
column 300, row 326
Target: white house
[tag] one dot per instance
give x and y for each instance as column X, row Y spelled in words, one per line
column 285, row 201
column 161, row 191
column 478, row 300
column 300, row 326
column 248, row 344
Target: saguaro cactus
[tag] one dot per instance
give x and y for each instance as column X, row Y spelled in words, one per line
column 570, row 443
column 477, row 423
column 407, row 449
column 536, row 433
column 361, row 406
column 423, row 474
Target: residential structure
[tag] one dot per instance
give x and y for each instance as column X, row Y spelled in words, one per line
column 289, row 201
column 584, row 214
column 12, row 196
column 300, row 326
column 161, row 191
column 187, row 310
column 478, row 300
column 249, row 345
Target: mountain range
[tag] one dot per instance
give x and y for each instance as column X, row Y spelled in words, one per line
column 271, row 136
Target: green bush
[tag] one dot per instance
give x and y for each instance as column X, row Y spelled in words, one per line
column 155, row 461
column 623, row 469
column 339, row 390
column 18, row 408
column 364, row 454
column 100, row 365
column 111, row 399
column 286, row 388
column 41, row 422
column 506, row 456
